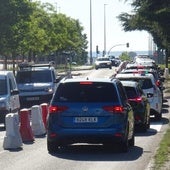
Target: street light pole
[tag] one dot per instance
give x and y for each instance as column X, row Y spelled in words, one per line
column 127, row 45
column 91, row 59
column 104, row 52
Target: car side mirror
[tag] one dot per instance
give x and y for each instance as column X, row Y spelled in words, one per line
column 14, row 92
column 149, row 95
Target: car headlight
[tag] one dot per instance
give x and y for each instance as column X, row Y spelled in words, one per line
column 49, row 90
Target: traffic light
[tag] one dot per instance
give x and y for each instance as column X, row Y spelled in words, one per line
column 127, row 45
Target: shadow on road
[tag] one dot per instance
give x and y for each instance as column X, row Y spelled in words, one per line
column 97, row 153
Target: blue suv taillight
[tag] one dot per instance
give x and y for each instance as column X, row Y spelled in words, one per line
column 57, row 109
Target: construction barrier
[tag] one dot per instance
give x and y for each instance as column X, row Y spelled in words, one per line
column 12, row 139
column 44, row 109
column 25, row 127
column 37, row 122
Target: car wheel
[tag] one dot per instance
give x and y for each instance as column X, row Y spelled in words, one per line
column 52, row 147
column 144, row 127
column 158, row 116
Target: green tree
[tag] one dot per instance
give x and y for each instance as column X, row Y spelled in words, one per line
column 152, row 16
column 125, row 57
column 13, row 17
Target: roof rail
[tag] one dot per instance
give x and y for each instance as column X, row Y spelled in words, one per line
column 27, row 66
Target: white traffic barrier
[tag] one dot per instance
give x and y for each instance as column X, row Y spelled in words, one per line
column 166, row 73
column 12, row 139
column 37, row 125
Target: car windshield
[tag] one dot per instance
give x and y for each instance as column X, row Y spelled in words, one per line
column 103, row 59
column 77, row 92
column 3, row 85
column 38, row 76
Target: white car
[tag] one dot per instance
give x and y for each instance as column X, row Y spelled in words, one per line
column 9, row 95
column 150, row 89
column 103, row 62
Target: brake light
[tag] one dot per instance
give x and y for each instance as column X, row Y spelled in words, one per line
column 86, row 82
column 113, row 109
column 57, row 109
column 158, row 83
column 138, row 99
column 140, row 67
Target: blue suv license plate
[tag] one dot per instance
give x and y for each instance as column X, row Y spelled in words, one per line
column 86, row 119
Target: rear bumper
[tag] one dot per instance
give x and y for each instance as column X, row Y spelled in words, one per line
column 96, row 137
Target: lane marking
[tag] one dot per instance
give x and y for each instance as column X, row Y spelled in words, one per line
column 155, row 126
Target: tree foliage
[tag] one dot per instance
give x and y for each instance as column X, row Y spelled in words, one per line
column 35, row 29
column 152, row 16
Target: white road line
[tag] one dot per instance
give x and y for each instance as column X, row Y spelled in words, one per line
column 156, row 126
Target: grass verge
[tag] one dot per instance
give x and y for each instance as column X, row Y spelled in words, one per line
column 163, row 152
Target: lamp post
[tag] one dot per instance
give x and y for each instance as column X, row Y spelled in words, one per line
column 91, row 59
column 104, row 52
column 127, row 45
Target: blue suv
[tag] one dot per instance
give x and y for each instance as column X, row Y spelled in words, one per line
column 90, row 111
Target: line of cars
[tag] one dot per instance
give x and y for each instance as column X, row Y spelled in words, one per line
column 102, row 111
column 146, row 73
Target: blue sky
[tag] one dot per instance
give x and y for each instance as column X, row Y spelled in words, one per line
column 80, row 9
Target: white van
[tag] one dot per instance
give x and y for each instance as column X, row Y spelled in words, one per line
column 9, row 95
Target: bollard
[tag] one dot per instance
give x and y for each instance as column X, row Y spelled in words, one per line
column 37, row 122
column 44, row 108
column 12, row 139
column 25, row 127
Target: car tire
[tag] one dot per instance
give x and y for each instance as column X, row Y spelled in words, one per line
column 52, row 147
column 158, row 116
column 144, row 127
column 124, row 145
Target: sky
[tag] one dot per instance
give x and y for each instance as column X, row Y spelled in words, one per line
column 113, row 34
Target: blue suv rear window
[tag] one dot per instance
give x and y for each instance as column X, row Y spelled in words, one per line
column 86, row 92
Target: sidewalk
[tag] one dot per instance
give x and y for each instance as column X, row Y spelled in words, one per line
column 166, row 165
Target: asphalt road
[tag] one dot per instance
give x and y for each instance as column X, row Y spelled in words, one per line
column 34, row 156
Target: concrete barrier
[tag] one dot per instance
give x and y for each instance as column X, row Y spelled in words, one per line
column 44, row 109
column 37, row 122
column 12, row 139
column 25, row 127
